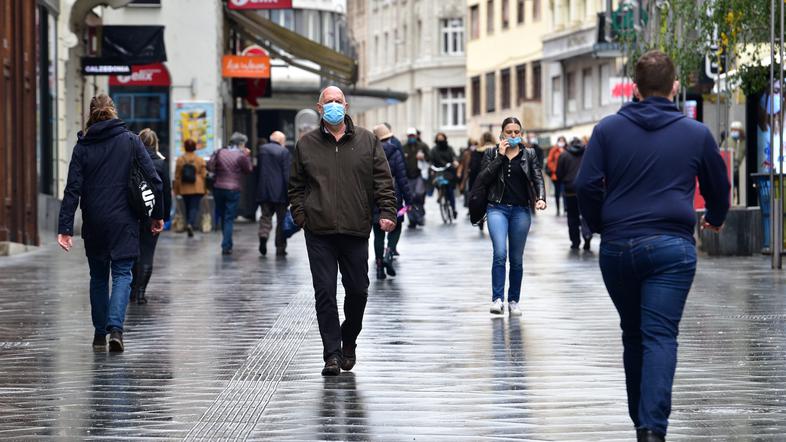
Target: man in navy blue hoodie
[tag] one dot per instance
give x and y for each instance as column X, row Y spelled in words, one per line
column 635, row 187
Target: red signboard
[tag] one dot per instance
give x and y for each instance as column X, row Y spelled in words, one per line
column 143, row 75
column 259, row 4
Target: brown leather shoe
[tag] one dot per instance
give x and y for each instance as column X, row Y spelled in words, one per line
column 332, row 367
column 350, row 358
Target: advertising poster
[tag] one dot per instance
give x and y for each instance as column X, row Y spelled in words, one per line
column 194, row 120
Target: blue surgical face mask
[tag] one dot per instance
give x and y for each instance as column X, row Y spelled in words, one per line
column 514, row 141
column 333, row 113
column 412, row 140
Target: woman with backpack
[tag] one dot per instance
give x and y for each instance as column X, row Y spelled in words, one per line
column 143, row 267
column 190, row 174
column 99, row 178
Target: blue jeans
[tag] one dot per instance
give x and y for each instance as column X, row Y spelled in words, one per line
column 109, row 312
column 508, row 227
column 226, row 205
column 192, row 208
column 648, row 280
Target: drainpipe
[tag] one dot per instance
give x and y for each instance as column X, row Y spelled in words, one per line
column 564, row 77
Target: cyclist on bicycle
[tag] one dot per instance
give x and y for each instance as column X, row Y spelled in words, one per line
column 443, row 155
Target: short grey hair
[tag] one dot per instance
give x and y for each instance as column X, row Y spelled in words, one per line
column 237, row 139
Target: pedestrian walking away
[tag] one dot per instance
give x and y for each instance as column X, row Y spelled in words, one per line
column 339, row 172
column 551, row 169
column 273, row 162
column 143, row 266
column 511, row 173
column 384, row 255
column 98, row 182
column 567, row 169
column 229, row 164
column 190, row 175
column 636, row 187
column 416, row 156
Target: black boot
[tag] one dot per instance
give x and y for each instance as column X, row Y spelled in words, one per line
column 587, row 242
column 645, row 435
column 387, row 261
column 147, row 272
column 262, row 246
column 136, row 281
column 380, row 270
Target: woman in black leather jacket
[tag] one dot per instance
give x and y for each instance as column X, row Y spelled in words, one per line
column 514, row 180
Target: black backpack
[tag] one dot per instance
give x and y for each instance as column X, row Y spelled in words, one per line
column 188, row 173
column 140, row 195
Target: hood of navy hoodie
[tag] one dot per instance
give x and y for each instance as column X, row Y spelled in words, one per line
column 652, row 114
column 102, row 131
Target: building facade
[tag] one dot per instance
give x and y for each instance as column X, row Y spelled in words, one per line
column 579, row 88
column 417, row 47
column 504, row 63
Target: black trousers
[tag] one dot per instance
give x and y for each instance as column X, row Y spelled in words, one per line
column 577, row 227
column 327, row 254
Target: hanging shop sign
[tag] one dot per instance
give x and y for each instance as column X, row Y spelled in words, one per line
column 145, row 75
column 97, row 66
column 259, row 4
column 245, row 66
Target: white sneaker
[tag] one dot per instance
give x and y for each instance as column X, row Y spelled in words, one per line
column 496, row 307
column 514, row 309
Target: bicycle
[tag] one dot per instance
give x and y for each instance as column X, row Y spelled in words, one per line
column 441, row 183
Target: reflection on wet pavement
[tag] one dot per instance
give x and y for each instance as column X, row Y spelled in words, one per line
column 228, row 347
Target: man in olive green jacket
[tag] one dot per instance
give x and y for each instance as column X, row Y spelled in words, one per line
column 339, row 173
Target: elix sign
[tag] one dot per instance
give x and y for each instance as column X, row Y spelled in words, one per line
column 259, row 4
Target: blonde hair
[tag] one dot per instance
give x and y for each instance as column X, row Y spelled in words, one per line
column 149, row 138
column 102, row 108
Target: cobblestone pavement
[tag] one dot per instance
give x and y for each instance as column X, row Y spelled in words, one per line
column 228, row 347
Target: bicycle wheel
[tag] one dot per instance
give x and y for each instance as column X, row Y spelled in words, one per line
column 444, row 210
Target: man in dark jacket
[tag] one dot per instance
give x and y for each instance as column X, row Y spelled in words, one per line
column 273, row 162
column 636, row 187
column 339, row 172
column 568, row 166
column 98, row 177
column 443, row 155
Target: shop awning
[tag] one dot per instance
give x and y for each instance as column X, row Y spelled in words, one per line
column 291, row 47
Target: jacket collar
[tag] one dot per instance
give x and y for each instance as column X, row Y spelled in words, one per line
column 349, row 128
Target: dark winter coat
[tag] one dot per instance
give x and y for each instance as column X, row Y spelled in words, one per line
column 334, row 185
column 411, row 157
column 399, row 171
column 98, row 182
column 442, row 155
column 273, row 162
column 162, row 169
column 638, row 175
column 568, row 167
column 492, row 175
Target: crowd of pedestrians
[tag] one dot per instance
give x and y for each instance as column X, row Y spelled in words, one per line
column 342, row 182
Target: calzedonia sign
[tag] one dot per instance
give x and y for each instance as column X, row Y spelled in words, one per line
column 259, row 4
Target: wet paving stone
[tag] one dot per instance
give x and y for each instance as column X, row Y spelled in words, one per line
column 228, row 348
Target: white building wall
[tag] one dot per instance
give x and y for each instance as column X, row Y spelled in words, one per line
column 194, row 46
column 411, row 62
